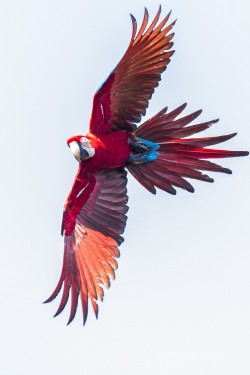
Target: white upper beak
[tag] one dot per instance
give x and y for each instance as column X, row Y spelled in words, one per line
column 75, row 148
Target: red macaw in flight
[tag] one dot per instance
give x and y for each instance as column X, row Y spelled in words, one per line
column 160, row 153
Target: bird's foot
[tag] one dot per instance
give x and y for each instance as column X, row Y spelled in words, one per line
column 142, row 157
column 142, row 151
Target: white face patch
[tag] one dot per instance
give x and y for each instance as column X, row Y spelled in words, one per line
column 86, row 145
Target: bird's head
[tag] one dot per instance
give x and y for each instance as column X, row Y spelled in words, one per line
column 81, row 147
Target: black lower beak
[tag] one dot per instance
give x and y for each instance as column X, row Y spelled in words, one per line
column 84, row 153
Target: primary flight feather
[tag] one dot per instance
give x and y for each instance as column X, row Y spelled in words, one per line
column 160, row 153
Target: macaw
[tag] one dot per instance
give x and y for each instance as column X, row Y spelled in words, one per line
column 161, row 153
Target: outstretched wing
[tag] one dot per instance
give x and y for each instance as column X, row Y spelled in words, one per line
column 91, row 248
column 123, row 98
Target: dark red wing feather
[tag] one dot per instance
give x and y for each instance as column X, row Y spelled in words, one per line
column 123, row 98
column 90, row 250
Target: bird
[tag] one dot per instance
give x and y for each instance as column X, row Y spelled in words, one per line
column 161, row 153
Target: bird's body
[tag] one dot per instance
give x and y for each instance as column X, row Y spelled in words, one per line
column 160, row 153
column 111, row 150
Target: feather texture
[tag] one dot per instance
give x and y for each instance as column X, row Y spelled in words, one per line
column 90, row 250
column 123, row 98
column 180, row 157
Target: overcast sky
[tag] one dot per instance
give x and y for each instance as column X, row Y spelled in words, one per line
column 181, row 302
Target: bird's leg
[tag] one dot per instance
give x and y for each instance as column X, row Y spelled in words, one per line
column 142, row 150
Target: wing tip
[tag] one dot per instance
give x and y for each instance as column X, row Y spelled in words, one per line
column 55, row 293
column 71, row 319
column 212, row 122
column 209, row 179
column 48, row 300
column 133, row 18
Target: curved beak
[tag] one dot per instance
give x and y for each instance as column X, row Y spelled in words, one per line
column 78, row 151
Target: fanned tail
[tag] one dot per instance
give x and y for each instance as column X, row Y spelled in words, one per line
column 180, row 155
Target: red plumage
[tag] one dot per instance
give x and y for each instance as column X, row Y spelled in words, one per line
column 160, row 153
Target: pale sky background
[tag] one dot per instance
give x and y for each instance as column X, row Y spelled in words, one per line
column 181, row 302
